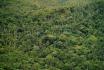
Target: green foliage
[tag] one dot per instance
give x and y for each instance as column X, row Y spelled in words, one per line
column 51, row 35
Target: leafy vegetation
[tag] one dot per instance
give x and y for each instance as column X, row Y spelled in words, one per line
column 51, row 35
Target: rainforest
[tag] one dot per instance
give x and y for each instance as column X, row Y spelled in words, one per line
column 51, row 34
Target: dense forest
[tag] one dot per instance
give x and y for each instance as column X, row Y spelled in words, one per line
column 51, row 34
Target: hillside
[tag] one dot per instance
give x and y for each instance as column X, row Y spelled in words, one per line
column 51, row 35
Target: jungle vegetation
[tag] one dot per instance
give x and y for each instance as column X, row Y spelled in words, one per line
column 51, row 34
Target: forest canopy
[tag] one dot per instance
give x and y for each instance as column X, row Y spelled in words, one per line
column 51, row 34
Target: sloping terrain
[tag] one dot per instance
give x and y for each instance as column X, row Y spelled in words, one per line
column 51, row 35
